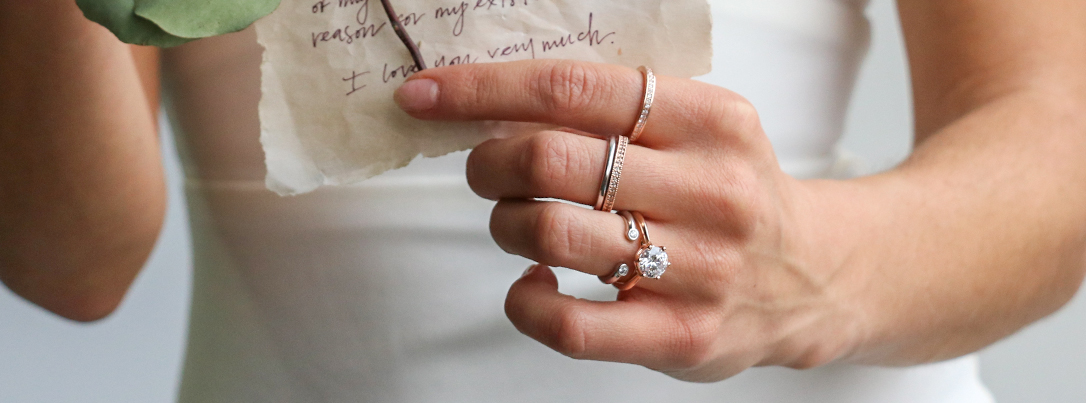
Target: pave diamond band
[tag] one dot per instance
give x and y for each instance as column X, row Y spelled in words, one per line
column 612, row 173
column 646, row 102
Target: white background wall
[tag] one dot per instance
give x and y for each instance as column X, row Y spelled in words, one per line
column 135, row 355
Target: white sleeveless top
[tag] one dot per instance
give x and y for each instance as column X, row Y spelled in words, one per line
column 393, row 290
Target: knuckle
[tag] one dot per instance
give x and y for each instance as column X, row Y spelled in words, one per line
column 696, row 343
column 477, row 170
column 474, row 88
column 546, row 162
column 738, row 198
column 556, row 242
column 568, row 86
column 569, row 336
column 732, row 117
column 500, row 220
column 744, row 114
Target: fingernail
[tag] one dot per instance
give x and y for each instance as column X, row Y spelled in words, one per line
column 528, row 271
column 416, row 95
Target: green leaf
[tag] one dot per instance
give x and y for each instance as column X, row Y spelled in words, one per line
column 119, row 18
column 167, row 23
column 203, row 18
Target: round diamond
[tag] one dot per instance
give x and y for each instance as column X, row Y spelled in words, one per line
column 652, row 262
column 622, row 270
column 633, row 234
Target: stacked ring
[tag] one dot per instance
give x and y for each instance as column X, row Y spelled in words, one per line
column 646, row 103
column 616, row 147
column 632, row 234
column 612, row 174
column 651, row 260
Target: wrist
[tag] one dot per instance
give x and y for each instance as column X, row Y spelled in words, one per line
column 832, row 224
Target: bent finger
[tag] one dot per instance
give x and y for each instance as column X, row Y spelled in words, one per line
column 635, row 330
column 562, row 235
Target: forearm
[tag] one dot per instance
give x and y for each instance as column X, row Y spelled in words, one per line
column 980, row 232
column 81, row 188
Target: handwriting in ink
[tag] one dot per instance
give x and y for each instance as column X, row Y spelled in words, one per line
column 460, row 11
column 488, row 4
column 361, row 16
column 465, row 59
column 347, row 34
column 402, row 71
column 354, row 81
column 592, row 36
column 513, row 49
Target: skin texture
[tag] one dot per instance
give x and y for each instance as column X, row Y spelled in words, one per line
column 980, row 232
column 82, row 197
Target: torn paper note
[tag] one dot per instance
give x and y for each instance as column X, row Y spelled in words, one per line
column 331, row 66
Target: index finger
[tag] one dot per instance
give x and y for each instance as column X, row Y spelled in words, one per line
column 596, row 98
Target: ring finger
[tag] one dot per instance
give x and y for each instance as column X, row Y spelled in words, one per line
column 563, row 235
column 562, row 165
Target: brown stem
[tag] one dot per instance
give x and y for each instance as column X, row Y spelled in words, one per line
column 402, row 33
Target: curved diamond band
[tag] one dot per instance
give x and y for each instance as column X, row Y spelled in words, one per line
column 646, row 102
column 632, row 233
column 621, row 270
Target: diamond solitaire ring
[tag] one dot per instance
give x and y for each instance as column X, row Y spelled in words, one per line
column 652, row 261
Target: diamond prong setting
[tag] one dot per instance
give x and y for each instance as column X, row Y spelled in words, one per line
column 652, row 261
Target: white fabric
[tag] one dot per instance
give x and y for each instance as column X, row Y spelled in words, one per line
column 392, row 291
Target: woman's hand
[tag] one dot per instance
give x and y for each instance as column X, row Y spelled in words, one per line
column 742, row 289
column 979, row 233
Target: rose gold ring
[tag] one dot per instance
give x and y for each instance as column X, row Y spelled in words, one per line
column 651, row 261
column 646, row 103
column 632, row 234
column 612, row 173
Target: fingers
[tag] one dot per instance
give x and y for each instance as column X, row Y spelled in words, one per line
column 570, row 167
column 634, row 330
column 595, row 98
column 562, row 235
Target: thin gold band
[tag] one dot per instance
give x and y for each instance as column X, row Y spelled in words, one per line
column 646, row 103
